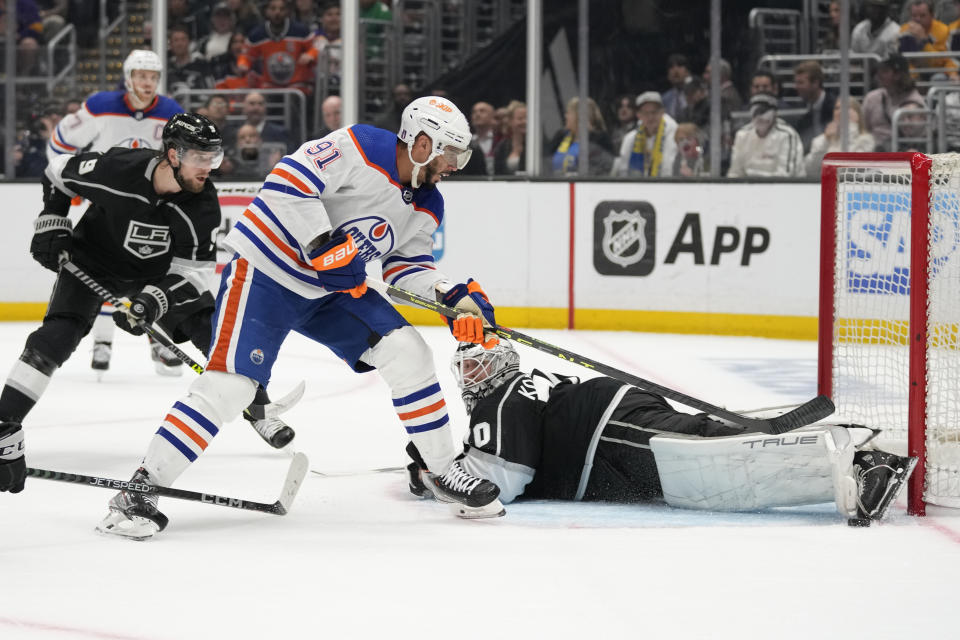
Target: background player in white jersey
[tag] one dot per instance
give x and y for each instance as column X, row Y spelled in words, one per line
column 546, row 436
column 134, row 119
column 359, row 194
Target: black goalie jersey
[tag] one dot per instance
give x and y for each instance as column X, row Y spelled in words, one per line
column 547, row 437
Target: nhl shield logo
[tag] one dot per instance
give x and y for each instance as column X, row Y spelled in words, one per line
column 624, row 238
column 624, row 241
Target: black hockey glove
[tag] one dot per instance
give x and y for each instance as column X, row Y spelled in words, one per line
column 52, row 240
column 13, row 466
column 145, row 308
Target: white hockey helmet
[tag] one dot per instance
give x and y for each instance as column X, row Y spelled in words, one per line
column 140, row 59
column 444, row 124
column 479, row 371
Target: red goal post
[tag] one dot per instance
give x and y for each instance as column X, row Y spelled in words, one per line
column 889, row 325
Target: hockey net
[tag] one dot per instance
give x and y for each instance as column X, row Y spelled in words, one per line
column 889, row 337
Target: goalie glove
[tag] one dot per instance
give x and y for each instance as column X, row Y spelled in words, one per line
column 145, row 307
column 13, row 466
column 477, row 314
column 339, row 266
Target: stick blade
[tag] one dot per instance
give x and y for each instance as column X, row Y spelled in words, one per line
column 291, row 486
column 807, row 413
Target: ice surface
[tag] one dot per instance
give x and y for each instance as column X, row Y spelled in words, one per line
column 358, row 557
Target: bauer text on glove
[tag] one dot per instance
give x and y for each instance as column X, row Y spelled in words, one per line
column 339, row 266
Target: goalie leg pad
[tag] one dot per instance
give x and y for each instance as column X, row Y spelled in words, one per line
column 406, row 364
column 757, row 471
column 214, row 398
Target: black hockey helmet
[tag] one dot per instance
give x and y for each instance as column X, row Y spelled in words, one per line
column 186, row 131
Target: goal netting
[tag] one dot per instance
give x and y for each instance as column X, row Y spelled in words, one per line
column 889, row 345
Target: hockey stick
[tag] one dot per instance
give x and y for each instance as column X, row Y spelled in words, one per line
column 274, row 408
column 107, row 295
column 295, row 476
column 810, row 411
column 348, row 474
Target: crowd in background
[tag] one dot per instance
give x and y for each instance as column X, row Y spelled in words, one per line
column 647, row 132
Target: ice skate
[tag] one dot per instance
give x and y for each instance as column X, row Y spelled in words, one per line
column 273, row 430
column 417, row 485
column 880, row 478
column 101, row 357
column 132, row 514
column 468, row 495
column 165, row 361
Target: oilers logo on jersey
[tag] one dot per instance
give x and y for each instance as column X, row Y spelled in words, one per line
column 281, row 66
column 373, row 236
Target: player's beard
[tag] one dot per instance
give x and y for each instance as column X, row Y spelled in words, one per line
column 428, row 182
column 193, row 185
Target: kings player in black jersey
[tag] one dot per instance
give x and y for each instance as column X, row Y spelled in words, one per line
column 545, row 436
column 148, row 234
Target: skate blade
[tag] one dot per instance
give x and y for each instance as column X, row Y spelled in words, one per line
column 135, row 528
column 169, row 372
column 493, row 510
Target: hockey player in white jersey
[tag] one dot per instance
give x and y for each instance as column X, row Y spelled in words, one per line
column 544, row 436
column 134, row 119
column 359, row 194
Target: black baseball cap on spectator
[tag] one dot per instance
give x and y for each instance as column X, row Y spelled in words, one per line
column 761, row 103
column 221, row 7
column 895, row 62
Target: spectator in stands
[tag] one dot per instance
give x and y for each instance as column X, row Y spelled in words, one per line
column 306, row 12
column 72, row 105
column 283, row 50
column 390, row 120
column 29, row 34
column 730, row 99
column 650, row 150
column 565, row 144
column 485, row 133
column 925, row 33
column 328, row 44
column 255, row 112
column 374, row 15
column 186, row 68
column 763, row 81
column 808, row 79
column 53, row 14
column 689, row 161
column 878, row 33
column 766, row 146
column 217, row 110
column 332, row 112
column 858, row 140
column 253, row 158
column 375, row 10
column 896, row 90
column 626, row 119
column 678, row 70
column 830, row 39
column 195, row 18
column 510, row 156
column 246, row 13
column 217, row 42
column 696, row 96
column 226, row 71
